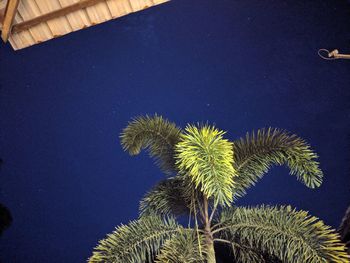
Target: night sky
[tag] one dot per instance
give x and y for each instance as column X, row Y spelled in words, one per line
column 242, row 65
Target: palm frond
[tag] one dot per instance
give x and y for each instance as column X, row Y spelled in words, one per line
column 344, row 229
column 156, row 134
column 138, row 241
column 208, row 158
column 167, row 198
column 243, row 253
column 255, row 154
column 185, row 247
column 290, row 235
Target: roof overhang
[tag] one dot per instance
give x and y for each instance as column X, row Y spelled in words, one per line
column 27, row 22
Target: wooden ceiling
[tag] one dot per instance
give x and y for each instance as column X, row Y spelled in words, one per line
column 27, row 22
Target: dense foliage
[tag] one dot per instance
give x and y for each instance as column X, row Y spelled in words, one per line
column 206, row 174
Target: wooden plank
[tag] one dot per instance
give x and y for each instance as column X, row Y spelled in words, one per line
column 29, row 9
column 77, row 19
column 26, row 36
column 10, row 12
column 58, row 26
column 98, row 13
column 2, row 14
column 67, row 21
column 138, row 5
column 119, row 7
column 54, row 14
column 21, row 39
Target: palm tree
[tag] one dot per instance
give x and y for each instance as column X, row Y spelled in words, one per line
column 206, row 174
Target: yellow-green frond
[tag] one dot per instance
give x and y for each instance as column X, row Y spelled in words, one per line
column 208, row 159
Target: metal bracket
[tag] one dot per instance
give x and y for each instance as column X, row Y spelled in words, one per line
column 325, row 54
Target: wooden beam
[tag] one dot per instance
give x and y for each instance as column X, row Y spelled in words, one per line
column 54, row 14
column 10, row 12
column 2, row 14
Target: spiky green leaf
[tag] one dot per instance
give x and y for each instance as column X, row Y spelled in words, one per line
column 136, row 242
column 156, row 134
column 242, row 253
column 208, row 159
column 255, row 154
column 185, row 247
column 344, row 229
column 290, row 235
column 167, row 198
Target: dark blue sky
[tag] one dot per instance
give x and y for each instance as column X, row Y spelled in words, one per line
column 240, row 64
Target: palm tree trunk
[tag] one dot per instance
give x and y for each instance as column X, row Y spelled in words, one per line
column 210, row 252
column 208, row 234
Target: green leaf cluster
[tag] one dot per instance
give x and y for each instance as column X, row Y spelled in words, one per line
column 183, row 248
column 136, row 242
column 166, row 198
column 209, row 174
column 155, row 134
column 283, row 232
column 258, row 151
column 207, row 157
